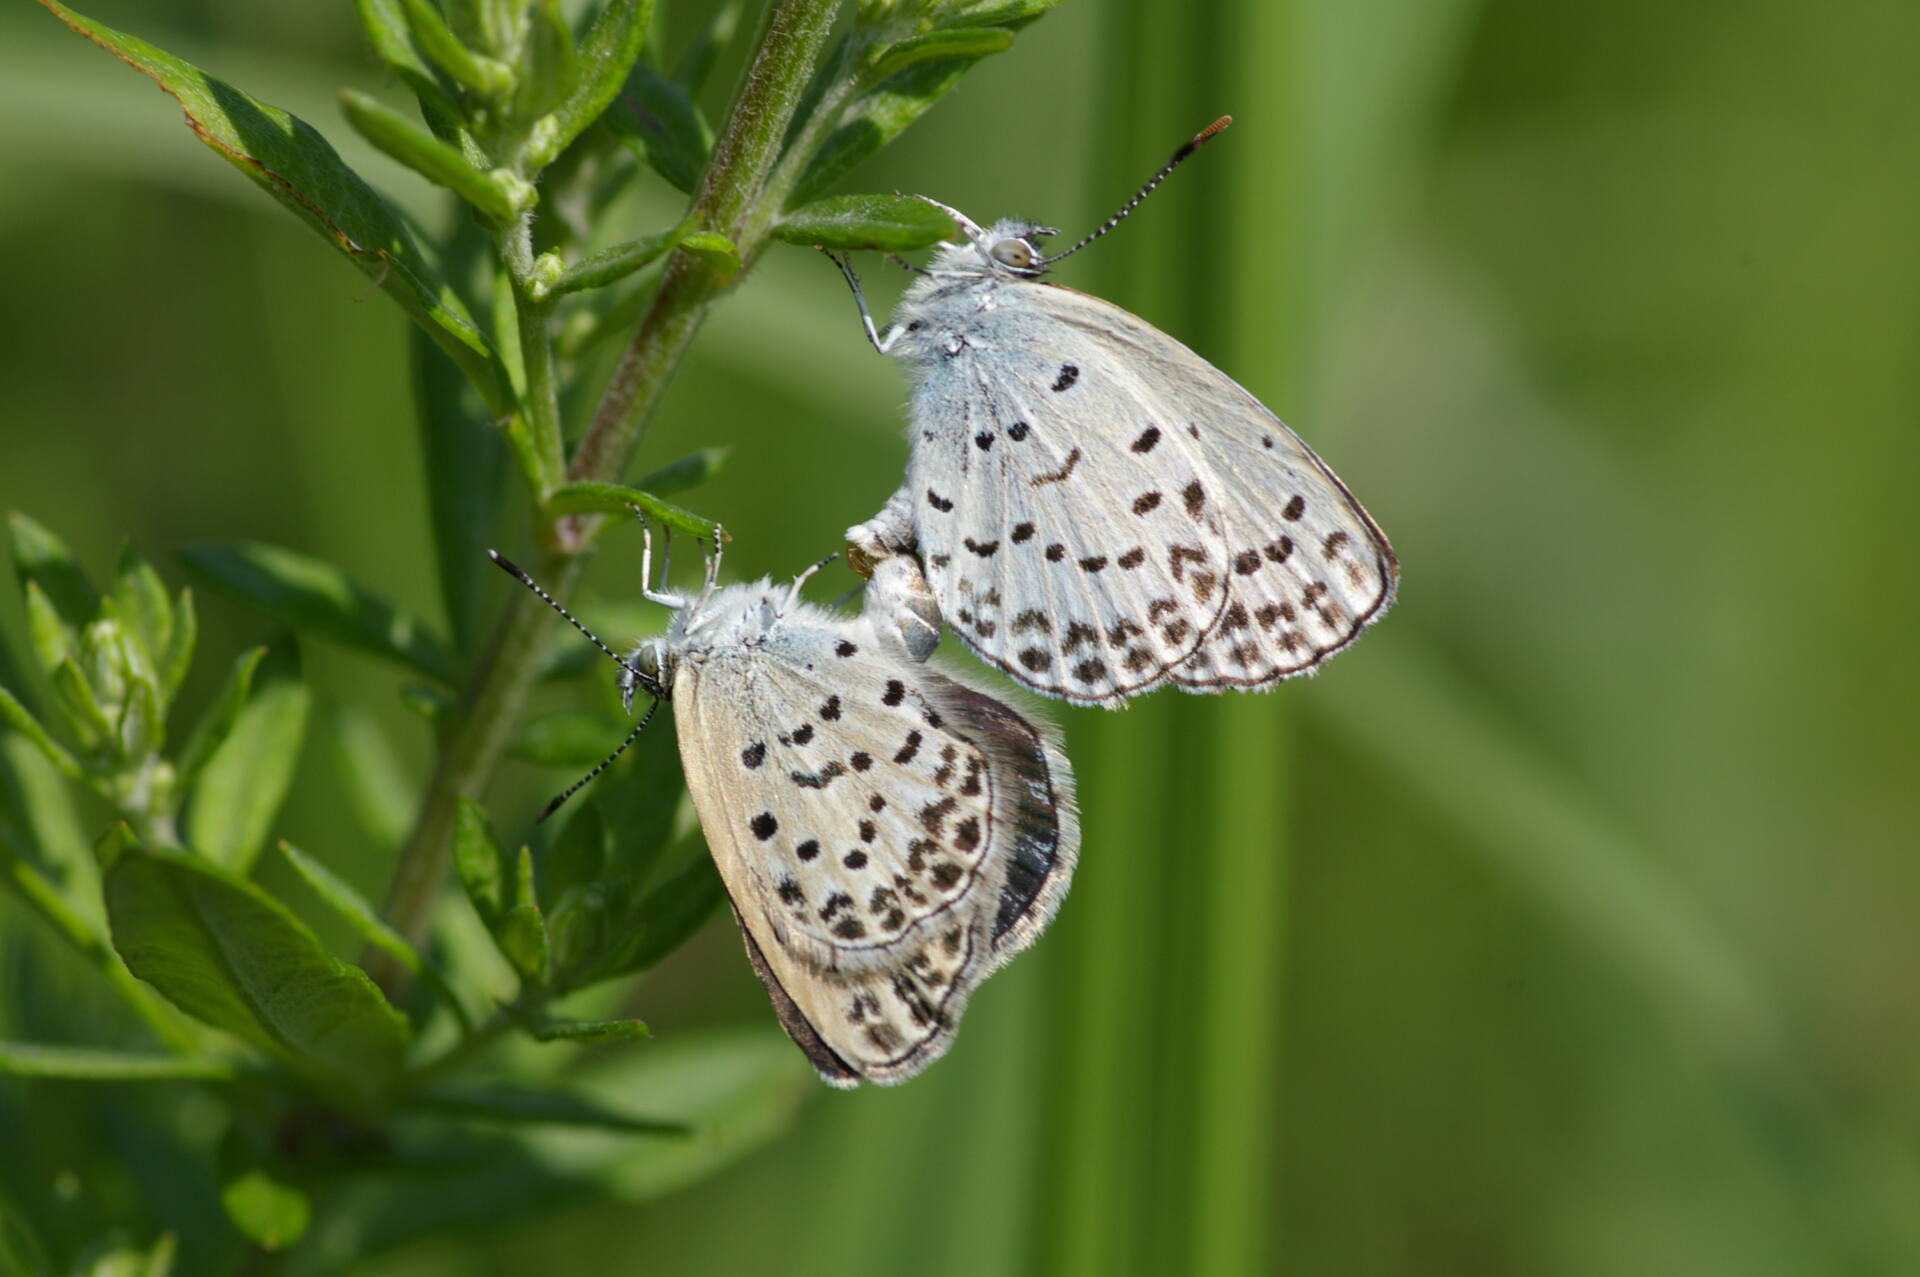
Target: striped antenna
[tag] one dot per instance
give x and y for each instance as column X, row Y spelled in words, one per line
column 605, row 763
column 1187, row 148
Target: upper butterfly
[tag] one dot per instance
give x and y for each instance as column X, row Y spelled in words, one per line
column 1098, row 509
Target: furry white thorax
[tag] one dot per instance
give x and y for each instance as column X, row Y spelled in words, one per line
column 732, row 616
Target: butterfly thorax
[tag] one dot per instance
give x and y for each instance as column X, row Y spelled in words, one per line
column 730, row 619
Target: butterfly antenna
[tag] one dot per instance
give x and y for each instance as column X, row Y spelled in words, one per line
column 512, row 569
column 801, row 580
column 1187, row 148
column 605, row 763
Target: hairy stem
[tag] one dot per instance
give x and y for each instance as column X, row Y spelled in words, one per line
column 791, row 36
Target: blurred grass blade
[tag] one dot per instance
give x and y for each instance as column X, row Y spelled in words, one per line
column 226, row 953
column 437, row 161
column 888, row 222
column 606, row 57
column 22, row 1253
column 90, row 1064
column 547, row 1108
column 311, row 596
column 661, row 126
column 15, row 715
column 217, row 720
column 612, row 498
column 350, row 905
column 299, row 168
column 381, row 789
column 246, row 777
column 689, row 471
column 41, row 558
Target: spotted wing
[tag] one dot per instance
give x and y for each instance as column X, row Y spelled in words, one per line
column 1308, row 568
column 886, row 836
column 1060, row 510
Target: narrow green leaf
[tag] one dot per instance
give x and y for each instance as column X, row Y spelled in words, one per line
column 381, row 788
column 564, row 738
column 481, row 863
column 340, row 896
column 662, row 127
column 43, row 558
column 669, row 916
column 178, row 658
column 22, row 1253
column 697, row 60
column 523, row 939
column 432, row 37
column 577, row 857
column 225, row 952
column 614, row 264
column 84, row 713
column 385, row 23
column 312, row 596
column 245, row 778
column 140, row 598
column 51, row 638
column 591, row 1031
column 142, row 726
column 466, row 465
column 1012, row 14
column 296, row 165
column 429, row 700
column 553, row 1108
column 607, row 55
column 15, row 715
column 612, row 498
column 893, row 223
column 547, row 67
column 90, row 1064
column 427, row 155
column 689, row 471
column 118, row 839
column 638, row 800
column 959, row 43
column 272, row 1213
column 217, row 720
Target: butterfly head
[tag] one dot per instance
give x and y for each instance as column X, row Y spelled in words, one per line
column 648, row 668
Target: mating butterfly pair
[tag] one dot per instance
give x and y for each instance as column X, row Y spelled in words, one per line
column 1096, row 511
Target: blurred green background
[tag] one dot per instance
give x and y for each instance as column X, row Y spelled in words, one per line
column 1566, row 925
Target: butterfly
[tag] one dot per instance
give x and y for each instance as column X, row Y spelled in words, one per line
column 888, row 836
column 1098, row 509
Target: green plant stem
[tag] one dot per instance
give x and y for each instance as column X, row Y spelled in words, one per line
column 475, row 1042
column 542, row 399
column 791, row 37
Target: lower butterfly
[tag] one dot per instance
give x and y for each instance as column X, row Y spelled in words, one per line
column 888, row 835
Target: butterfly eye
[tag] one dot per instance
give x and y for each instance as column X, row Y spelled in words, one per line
column 1016, row 253
column 647, row 661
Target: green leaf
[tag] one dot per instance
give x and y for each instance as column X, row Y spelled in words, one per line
column 955, row 43
column 381, row 788
column 140, row 599
column 312, row 596
column 386, row 26
column 547, row 1108
column 90, row 1064
column 159, row 1262
column 22, row 1253
column 606, row 57
column 429, row 700
column 614, row 264
column 43, row 558
column 716, row 250
column 612, row 498
column 217, row 720
column 142, row 727
column 668, row 917
column 547, row 68
column 15, row 715
column 245, row 778
column 296, row 165
column 52, row 639
column 271, row 1213
column 340, row 896
column 427, row 155
column 466, row 465
column 564, row 738
column 178, row 658
column 523, row 930
column 481, row 863
column 662, row 127
column 226, row 953
column 893, row 223
column 689, row 471
column 638, row 800
column 84, row 713
column 432, row 37
column 591, row 1031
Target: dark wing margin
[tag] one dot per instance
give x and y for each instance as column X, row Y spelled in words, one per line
column 833, row 1070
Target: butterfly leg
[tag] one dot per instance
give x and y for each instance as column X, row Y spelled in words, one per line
column 801, row 580
column 888, row 532
column 898, row 593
